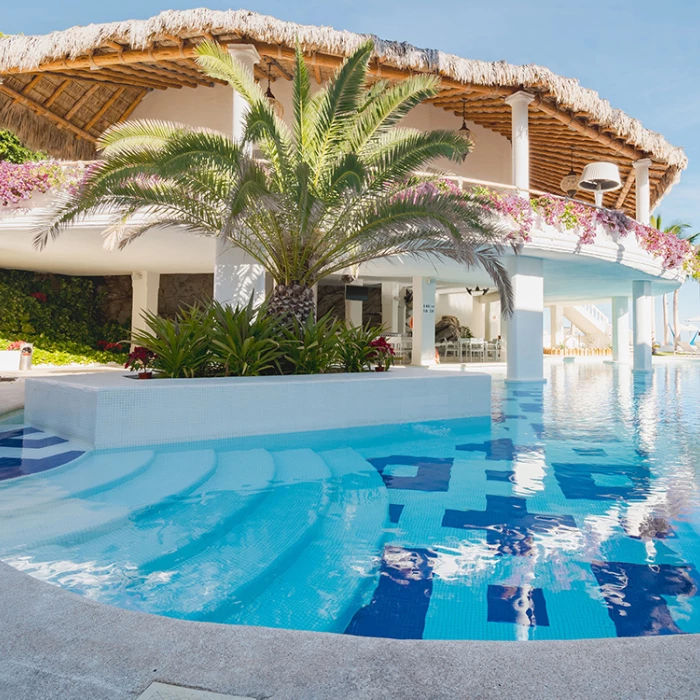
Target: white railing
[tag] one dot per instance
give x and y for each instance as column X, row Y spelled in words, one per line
column 596, row 314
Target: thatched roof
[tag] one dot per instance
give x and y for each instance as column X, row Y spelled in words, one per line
column 127, row 58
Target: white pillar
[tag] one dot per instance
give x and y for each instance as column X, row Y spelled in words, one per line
column 621, row 329
column 477, row 324
column 236, row 276
column 390, row 306
column 526, row 325
column 353, row 312
column 423, row 321
column 144, row 297
column 488, row 331
column 641, row 295
column 642, row 189
column 519, row 102
column 556, row 324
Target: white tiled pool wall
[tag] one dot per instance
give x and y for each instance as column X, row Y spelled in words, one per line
column 121, row 412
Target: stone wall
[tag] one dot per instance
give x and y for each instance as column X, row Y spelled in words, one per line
column 175, row 291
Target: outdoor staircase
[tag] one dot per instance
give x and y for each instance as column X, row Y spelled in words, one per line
column 288, row 538
column 592, row 322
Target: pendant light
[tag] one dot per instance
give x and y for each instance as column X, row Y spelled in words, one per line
column 569, row 184
column 464, row 129
column 276, row 104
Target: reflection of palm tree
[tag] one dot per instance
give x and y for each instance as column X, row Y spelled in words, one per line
column 677, row 228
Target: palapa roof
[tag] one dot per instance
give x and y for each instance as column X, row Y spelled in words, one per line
column 61, row 90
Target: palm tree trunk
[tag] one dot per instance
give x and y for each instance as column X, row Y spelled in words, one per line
column 294, row 301
column 676, row 322
column 664, row 306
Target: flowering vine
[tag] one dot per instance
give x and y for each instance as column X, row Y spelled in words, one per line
column 21, row 181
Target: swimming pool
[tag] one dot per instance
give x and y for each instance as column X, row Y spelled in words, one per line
column 573, row 513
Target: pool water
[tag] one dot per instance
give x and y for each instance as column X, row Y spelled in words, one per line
column 573, row 512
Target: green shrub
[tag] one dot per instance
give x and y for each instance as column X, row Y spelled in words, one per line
column 12, row 150
column 181, row 345
column 244, row 341
column 355, row 351
column 312, row 347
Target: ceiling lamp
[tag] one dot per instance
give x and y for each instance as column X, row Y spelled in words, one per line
column 464, row 129
column 276, row 104
column 569, row 184
column 600, row 178
column 477, row 290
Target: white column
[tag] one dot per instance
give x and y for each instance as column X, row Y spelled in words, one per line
column 621, row 329
column 390, row 306
column 488, row 331
column 526, row 325
column 236, row 276
column 556, row 324
column 423, row 321
column 144, row 297
column 642, row 189
column 641, row 295
column 353, row 311
column 477, row 324
column 519, row 102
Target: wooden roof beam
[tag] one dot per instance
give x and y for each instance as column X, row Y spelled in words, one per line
column 57, row 92
column 44, row 112
column 102, row 110
column 82, row 100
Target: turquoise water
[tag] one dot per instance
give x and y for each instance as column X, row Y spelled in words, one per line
column 573, row 513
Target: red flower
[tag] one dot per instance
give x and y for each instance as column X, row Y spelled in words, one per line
column 16, row 345
column 140, row 358
column 39, row 296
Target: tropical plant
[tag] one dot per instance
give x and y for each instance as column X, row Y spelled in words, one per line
column 12, row 150
column 383, row 354
column 179, row 346
column 355, row 351
column 678, row 229
column 332, row 190
column 244, row 341
column 311, row 347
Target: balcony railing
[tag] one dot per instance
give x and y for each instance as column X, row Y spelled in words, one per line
column 34, row 184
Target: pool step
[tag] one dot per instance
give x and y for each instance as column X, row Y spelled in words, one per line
column 98, row 472
column 209, row 585
column 172, row 534
column 72, row 521
column 322, row 588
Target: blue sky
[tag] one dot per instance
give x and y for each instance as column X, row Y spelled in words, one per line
column 643, row 56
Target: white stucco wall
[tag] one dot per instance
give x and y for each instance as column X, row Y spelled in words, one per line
column 212, row 107
column 201, row 106
column 458, row 304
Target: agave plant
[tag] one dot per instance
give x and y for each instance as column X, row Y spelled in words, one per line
column 331, row 191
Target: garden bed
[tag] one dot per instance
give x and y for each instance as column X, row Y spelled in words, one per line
column 110, row 411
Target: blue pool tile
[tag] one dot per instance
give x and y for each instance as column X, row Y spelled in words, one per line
column 519, row 606
column 11, row 467
column 499, row 475
column 507, row 523
column 23, row 443
column 532, row 407
column 395, row 510
column 634, row 595
column 430, row 473
column 598, row 482
column 400, row 601
column 590, row 451
column 18, row 432
column 501, row 449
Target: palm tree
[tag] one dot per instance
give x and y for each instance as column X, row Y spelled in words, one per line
column 331, row 191
column 677, row 228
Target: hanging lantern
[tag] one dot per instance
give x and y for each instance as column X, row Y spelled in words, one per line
column 276, row 104
column 600, row 177
column 569, row 183
column 464, row 129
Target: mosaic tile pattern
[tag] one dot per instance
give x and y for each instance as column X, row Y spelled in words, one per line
column 26, row 450
column 574, row 514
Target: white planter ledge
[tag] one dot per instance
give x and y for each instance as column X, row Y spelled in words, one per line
column 114, row 411
column 9, row 360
